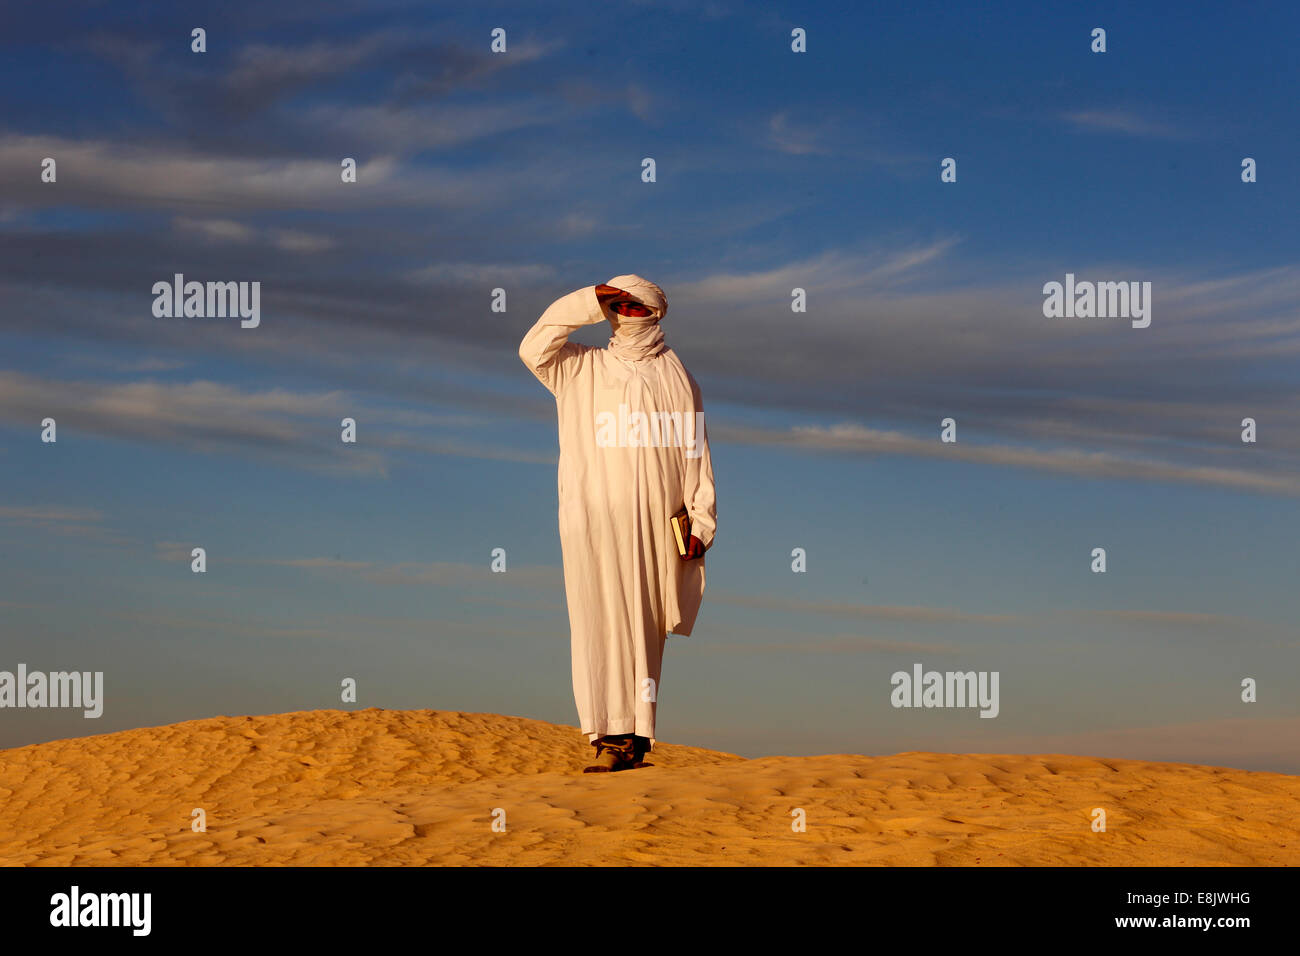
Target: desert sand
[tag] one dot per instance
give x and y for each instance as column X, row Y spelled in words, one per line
column 384, row 787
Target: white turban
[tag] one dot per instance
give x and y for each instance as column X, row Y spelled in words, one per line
column 645, row 292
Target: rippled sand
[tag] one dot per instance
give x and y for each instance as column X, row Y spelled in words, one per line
column 422, row 787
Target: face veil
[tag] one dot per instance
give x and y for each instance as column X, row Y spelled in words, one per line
column 645, row 292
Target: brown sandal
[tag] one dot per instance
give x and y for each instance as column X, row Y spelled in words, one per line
column 640, row 746
column 613, row 753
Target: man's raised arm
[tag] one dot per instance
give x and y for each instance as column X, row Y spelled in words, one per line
column 546, row 349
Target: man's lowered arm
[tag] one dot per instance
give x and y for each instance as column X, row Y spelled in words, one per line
column 701, row 500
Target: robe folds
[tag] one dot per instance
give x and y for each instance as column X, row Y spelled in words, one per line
column 625, row 584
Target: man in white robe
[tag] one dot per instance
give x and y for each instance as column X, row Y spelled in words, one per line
column 633, row 452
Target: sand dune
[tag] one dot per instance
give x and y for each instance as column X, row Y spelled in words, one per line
column 420, row 787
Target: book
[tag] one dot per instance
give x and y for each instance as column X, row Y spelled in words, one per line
column 681, row 523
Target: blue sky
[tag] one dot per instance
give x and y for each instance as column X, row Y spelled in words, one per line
column 775, row 170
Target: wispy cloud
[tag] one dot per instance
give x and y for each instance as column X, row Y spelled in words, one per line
column 144, row 364
column 218, row 230
column 449, row 574
column 202, row 416
column 841, row 609
column 43, row 515
column 224, row 627
column 260, row 78
column 66, row 522
column 438, row 126
column 261, row 73
column 112, row 174
column 481, row 274
column 859, row 439
column 1177, row 619
column 293, row 240
column 1120, row 121
column 297, row 428
column 175, row 552
column 846, row 645
column 226, row 230
column 784, row 135
column 333, row 564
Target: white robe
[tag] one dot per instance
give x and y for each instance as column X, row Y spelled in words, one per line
column 625, row 583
